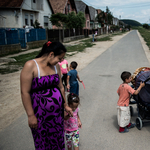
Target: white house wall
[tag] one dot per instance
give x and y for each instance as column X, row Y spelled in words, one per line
column 47, row 12
column 39, row 9
column 15, row 18
column 29, row 13
column 12, row 18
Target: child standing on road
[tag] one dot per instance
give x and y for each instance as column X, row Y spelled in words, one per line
column 64, row 70
column 72, row 77
column 124, row 91
column 72, row 124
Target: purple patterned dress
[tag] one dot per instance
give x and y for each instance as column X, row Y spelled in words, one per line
column 48, row 103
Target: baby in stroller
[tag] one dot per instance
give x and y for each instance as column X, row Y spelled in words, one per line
column 143, row 98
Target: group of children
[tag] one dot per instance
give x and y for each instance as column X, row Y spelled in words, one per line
column 70, row 79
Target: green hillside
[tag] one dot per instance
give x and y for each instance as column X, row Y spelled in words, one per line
column 131, row 22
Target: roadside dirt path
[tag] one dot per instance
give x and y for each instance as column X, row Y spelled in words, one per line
column 10, row 100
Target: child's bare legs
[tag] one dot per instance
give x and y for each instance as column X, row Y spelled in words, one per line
column 72, row 137
column 76, row 148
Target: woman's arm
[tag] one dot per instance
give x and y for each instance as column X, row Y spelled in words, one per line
column 25, row 83
column 61, row 87
column 68, row 86
column 66, row 115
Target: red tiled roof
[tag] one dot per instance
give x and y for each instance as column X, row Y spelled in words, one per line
column 11, row 3
column 99, row 11
column 58, row 6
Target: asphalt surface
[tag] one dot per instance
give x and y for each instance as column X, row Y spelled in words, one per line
column 98, row 103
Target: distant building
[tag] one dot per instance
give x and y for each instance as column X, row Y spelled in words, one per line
column 81, row 6
column 63, row 6
column 115, row 21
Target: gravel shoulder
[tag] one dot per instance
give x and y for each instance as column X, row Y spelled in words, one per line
column 11, row 106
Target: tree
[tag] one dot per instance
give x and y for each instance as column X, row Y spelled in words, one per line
column 109, row 16
column 58, row 19
column 71, row 20
column 146, row 26
column 101, row 17
column 80, row 20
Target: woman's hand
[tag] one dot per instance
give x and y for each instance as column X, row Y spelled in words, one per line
column 69, row 111
column 32, row 120
column 68, row 86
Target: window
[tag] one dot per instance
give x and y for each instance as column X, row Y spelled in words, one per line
column 31, row 20
column 88, row 24
column 34, row 1
column 68, row 6
column 26, row 19
column 45, row 21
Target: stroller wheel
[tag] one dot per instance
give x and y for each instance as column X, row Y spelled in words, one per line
column 139, row 123
column 131, row 111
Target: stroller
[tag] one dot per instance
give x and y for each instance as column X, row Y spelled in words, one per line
column 143, row 98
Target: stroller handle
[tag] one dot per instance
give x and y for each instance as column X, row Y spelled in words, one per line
column 147, row 79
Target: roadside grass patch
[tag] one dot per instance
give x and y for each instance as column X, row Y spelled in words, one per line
column 80, row 47
column 16, row 52
column 145, row 34
column 18, row 64
column 118, row 33
column 21, row 59
column 107, row 38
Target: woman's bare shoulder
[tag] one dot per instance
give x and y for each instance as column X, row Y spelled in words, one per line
column 29, row 66
column 29, row 63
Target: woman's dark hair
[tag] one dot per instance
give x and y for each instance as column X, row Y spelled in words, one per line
column 74, row 64
column 55, row 47
column 125, row 75
column 73, row 98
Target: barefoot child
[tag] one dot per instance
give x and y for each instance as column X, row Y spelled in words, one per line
column 72, row 124
column 124, row 91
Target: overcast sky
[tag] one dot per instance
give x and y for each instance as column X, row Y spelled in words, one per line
column 138, row 10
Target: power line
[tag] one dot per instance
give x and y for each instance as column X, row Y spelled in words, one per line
column 120, row 6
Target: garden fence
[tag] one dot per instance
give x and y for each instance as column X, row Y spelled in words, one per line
column 20, row 35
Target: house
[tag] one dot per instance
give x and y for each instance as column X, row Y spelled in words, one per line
column 93, row 14
column 63, row 6
column 115, row 21
column 20, row 13
column 81, row 6
column 98, row 12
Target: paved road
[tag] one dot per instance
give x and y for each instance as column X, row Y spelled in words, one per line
column 98, row 104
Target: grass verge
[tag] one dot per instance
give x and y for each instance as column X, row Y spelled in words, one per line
column 18, row 64
column 21, row 59
column 145, row 33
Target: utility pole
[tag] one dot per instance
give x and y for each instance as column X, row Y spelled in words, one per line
column 107, row 17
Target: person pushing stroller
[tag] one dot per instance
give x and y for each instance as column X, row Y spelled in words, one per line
column 124, row 91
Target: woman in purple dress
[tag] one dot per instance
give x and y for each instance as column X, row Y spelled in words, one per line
column 43, row 97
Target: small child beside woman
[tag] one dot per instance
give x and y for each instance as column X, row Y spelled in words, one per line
column 72, row 124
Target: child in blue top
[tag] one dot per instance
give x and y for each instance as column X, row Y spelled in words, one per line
column 72, row 76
